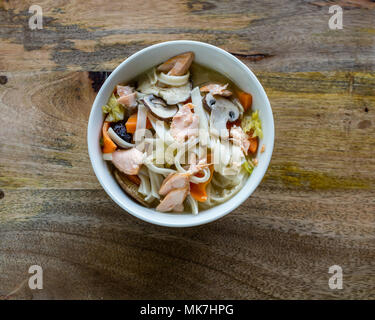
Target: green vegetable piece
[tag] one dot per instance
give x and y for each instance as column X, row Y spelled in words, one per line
column 114, row 110
column 252, row 122
column 247, row 167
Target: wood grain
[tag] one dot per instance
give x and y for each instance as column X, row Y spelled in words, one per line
column 314, row 208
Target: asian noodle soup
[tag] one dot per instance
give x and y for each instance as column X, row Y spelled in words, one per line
column 180, row 137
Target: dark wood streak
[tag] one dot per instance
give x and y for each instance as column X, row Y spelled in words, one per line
column 97, row 79
column 253, row 56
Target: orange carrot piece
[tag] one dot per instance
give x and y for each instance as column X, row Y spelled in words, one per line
column 131, row 123
column 253, row 144
column 246, row 100
column 108, row 145
column 198, row 190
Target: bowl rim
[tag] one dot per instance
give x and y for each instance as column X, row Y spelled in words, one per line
column 213, row 216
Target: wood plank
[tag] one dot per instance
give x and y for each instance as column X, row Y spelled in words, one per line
column 85, row 35
column 47, row 138
column 275, row 246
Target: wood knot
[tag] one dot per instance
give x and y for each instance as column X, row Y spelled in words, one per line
column 97, row 79
column 364, row 124
column 2, row 195
column 3, row 79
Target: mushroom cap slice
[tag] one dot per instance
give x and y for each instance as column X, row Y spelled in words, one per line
column 159, row 108
column 209, row 102
column 129, row 187
column 222, row 112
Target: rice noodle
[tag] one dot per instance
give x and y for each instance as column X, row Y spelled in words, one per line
column 141, row 123
column 107, row 156
column 154, row 168
column 196, row 100
column 193, row 204
column 207, row 174
column 120, row 142
column 228, row 193
column 181, row 151
column 173, row 80
column 144, row 187
column 155, row 186
column 152, row 76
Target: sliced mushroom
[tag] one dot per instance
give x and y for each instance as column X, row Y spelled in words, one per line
column 159, row 108
column 224, row 110
column 209, row 102
column 146, row 85
column 129, row 187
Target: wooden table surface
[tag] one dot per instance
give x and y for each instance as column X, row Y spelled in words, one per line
column 315, row 207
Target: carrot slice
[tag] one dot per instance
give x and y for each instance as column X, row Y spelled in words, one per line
column 253, row 144
column 246, row 100
column 131, row 124
column 108, row 145
column 198, row 190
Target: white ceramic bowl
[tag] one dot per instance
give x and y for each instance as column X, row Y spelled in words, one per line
column 207, row 55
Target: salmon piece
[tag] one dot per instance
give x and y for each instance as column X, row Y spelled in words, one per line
column 124, row 90
column 174, row 181
column 178, row 65
column 129, row 100
column 179, row 208
column 217, row 89
column 173, row 200
column 128, row 161
column 184, row 123
column 240, row 138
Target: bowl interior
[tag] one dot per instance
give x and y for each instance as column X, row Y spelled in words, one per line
column 213, row 58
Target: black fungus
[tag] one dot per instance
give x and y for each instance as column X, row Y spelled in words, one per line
column 120, row 129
